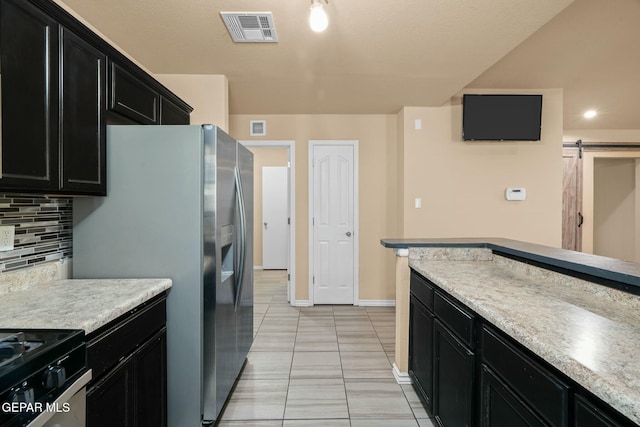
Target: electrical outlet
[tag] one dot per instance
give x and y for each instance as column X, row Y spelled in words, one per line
column 7, row 236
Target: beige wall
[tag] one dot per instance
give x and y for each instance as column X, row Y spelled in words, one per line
column 462, row 184
column 401, row 175
column 262, row 157
column 614, row 208
column 377, row 136
column 208, row 94
column 636, row 218
column 86, row 23
column 602, row 135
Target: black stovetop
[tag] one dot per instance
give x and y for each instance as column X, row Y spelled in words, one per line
column 24, row 350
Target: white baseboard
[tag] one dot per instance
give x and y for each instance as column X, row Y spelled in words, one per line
column 302, row 303
column 258, row 267
column 401, row 377
column 377, row 302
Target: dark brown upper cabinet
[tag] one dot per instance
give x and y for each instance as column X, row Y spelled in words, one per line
column 172, row 114
column 132, row 98
column 83, row 132
column 29, row 78
column 60, row 84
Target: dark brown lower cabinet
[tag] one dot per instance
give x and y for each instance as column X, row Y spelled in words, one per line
column 129, row 362
column 134, row 393
column 110, row 402
column 421, row 351
column 501, row 407
column 469, row 373
column 589, row 414
column 453, row 376
column 151, row 382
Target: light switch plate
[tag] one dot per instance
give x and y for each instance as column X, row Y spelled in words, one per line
column 7, row 236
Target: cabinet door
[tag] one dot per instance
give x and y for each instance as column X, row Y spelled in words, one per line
column 133, row 98
column 536, row 384
column 151, row 382
column 587, row 414
column 500, row 407
column 421, row 351
column 171, row 114
column 83, row 116
column 452, row 379
column 29, row 79
column 111, row 402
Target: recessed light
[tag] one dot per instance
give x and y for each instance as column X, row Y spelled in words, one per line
column 590, row 114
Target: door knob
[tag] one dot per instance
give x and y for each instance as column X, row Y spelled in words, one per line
column 265, row 225
column 348, row 233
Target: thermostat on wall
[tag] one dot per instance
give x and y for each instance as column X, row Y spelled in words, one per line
column 515, row 193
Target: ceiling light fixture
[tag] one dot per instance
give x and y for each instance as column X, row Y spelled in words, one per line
column 318, row 19
column 590, row 114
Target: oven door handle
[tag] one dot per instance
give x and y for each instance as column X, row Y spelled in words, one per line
column 66, row 395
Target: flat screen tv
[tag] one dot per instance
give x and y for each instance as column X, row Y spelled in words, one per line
column 501, row 117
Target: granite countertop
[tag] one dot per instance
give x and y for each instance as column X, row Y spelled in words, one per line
column 76, row 304
column 624, row 274
column 589, row 332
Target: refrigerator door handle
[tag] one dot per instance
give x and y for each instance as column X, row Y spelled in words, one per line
column 243, row 237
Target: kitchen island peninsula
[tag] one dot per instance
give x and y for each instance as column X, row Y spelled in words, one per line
column 495, row 331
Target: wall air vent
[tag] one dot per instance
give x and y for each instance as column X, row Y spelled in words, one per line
column 250, row 27
column 258, row 128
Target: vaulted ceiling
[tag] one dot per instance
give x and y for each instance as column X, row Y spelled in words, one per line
column 377, row 56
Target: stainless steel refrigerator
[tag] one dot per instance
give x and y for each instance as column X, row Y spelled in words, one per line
column 180, row 205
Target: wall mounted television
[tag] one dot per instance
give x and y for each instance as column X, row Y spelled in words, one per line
column 506, row 117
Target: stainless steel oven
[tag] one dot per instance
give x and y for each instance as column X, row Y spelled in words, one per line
column 43, row 375
column 69, row 409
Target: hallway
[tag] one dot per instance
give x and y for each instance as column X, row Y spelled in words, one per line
column 326, row 366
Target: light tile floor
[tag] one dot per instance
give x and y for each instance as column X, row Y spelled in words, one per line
column 326, row 366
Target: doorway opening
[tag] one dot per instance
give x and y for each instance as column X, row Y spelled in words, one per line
column 601, row 199
column 611, row 203
column 277, row 160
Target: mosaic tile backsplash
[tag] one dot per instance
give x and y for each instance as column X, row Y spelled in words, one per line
column 43, row 229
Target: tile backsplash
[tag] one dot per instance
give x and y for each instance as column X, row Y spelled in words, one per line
column 43, row 229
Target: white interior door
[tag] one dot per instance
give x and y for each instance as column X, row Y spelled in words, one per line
column 333, row 224
column 275, row 217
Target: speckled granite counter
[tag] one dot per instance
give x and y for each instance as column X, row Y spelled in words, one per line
column 587, row 331
column 621, row 274
column 76, row 304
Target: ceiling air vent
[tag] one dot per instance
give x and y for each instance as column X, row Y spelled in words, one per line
column 250, row 27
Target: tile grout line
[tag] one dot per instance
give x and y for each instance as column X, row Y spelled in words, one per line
column 293, row 355
column 344, row 380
